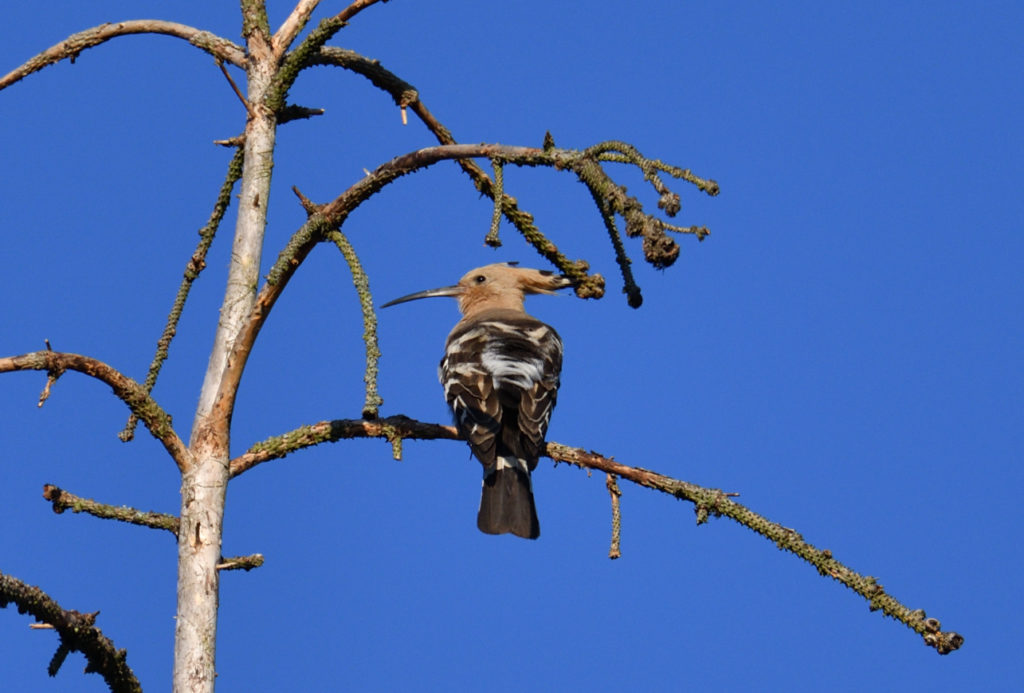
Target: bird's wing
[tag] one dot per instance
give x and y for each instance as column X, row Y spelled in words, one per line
column 469, row 391
column 501, row 375
column 535, row 409
column 537, row 401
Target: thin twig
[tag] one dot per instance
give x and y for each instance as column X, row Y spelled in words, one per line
column 308, row 205
column 236, row 141
column 234, row 87
column 51, row 380
column 706, row 185
column 292, row 112
column 355, row 8
column 614, row 551
column 245, row 563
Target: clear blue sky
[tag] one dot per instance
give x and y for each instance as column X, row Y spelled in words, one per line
column 844, row 351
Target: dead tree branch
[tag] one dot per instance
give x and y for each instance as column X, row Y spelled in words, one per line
column 62, row 500
column 127, row 390
column 77, row 633
column 706, row 501
column 73, row 45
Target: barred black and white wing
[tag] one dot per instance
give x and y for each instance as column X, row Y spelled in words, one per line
column 500, row 374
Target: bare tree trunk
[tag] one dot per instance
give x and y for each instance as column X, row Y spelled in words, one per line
column 204, row 485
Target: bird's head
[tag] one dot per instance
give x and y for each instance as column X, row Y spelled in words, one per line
column 501, row 285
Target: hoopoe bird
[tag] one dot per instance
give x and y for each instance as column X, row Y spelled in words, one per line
column 500, row 374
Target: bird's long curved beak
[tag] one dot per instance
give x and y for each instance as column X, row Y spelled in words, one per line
column 429, row 293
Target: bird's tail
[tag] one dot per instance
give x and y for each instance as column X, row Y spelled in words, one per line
column 506, row 504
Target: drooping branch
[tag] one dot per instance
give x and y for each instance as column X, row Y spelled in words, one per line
column 403, row 93
column 629, row 286
column 493, row 238
column 706, row 501
column 73, row 45
column 195, row 265
column 362, row 284
column 77, row 633
column 611, row 199
column 127, row 390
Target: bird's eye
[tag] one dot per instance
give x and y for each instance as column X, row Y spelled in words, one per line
column 479, row 279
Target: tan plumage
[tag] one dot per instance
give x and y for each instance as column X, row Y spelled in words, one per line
column 500, row 374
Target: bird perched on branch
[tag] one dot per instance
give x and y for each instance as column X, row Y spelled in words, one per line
column 500, row 376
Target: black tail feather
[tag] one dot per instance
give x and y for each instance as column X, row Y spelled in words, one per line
column 506, row 504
